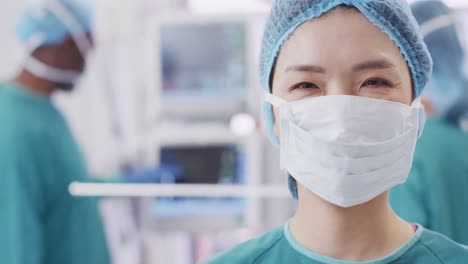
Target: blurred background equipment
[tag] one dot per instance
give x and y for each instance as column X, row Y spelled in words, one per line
column 206, row 77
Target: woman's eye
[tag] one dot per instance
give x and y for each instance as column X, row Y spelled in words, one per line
column 306, row 85
column 377, row 83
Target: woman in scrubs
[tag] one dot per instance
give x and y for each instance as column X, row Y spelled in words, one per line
column 342, row 83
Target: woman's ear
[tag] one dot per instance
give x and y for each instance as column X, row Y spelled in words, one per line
column 430, row 111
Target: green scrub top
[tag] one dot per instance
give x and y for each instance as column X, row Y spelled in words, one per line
column 436, row 192
column 40, row 222
column 280, row 247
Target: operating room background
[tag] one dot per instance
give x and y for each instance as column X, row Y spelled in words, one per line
column 110, row 114
column 108, row 110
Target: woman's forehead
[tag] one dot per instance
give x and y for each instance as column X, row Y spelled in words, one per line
column 338, row 37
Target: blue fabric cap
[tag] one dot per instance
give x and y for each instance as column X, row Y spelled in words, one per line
column 449, row 87
column 40, row 19
column 393, row 17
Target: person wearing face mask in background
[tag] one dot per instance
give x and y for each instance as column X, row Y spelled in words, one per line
column 40, row 222
column 343, row 80
column 435, row 194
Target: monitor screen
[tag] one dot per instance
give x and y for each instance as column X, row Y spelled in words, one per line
column 204, row 164
column 206, row 60
column 215, row 164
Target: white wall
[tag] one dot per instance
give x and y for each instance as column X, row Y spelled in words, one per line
column 10, row 51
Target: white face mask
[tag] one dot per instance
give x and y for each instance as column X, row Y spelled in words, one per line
column 347, row 149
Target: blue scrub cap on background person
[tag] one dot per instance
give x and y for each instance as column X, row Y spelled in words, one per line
column 39, row 19
column 49, row 22
column 392, row 17
column 448, row 87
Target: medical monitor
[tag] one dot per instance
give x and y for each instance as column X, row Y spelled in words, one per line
column 203, row 164
column 199, row 66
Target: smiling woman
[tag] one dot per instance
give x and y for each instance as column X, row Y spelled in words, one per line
column 370, row 66
column 342, row 82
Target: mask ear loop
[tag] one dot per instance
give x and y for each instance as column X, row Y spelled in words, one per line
column 417, row 105
column 40, row 69
column 274, row 100
column 269, row 101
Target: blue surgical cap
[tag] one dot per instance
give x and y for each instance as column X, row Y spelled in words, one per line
column 393, row 17
column 40, row 19
column 448, row 87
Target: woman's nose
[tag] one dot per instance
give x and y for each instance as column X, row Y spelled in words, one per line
column 340, row 88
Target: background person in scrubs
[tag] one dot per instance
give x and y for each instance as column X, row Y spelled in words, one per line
column 40, row 222
column 435, row 194
column 342, row 81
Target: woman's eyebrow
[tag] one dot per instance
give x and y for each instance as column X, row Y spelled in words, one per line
column 364, row 66
column 305, row 68
column 374, row 65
